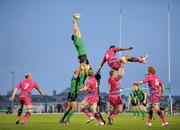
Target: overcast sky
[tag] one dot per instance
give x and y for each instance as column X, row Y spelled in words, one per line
column 35, row 37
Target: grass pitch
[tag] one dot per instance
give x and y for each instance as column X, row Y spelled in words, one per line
column 50, row 122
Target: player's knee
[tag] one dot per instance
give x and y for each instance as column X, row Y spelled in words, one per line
column 20, row 110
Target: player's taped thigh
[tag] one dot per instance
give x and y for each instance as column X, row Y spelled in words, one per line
column 156, row 107
column 94, row 107
column 83, row 104
column 29, row 108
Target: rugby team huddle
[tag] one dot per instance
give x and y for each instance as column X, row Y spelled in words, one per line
column 79, row 84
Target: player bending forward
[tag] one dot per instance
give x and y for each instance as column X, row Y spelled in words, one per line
column 142, row 97
column 134, row 103
column 114, row 93
column 26, row 86
column 156, row 88
column 92, row 99
column 114, row 63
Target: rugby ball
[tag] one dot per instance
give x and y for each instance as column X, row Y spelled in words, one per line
column 77, row 16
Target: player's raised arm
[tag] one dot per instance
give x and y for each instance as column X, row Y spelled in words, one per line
column 101, row 65
column 138, row 82
column 121, row 75
column 76, row 28
column 124, row 49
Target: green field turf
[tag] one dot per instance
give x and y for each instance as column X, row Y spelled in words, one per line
column 50, row 122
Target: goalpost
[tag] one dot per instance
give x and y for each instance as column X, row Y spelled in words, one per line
column 170, row 109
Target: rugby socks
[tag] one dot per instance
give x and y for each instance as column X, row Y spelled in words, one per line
column 65, row 114
column 19, row 114
column 86, row 111
column 70, row 115
column 96, row 115
column 159, row 112
column 134, row 112
column 26, row 117
column 134, row 59
column 143, row 114
column 100, row 115
column 137, row 112
column 150, row 116
column 113, row 113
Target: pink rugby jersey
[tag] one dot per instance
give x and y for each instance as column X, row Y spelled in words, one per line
column 110, row 55
column 26, row 86
column 114, row 85
column 154, row 83
column 92, row 86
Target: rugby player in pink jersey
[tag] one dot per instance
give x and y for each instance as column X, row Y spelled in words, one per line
column 92, row 98
column 114, row 63
column 26, row 86
column 114, row 93
column 156, row 88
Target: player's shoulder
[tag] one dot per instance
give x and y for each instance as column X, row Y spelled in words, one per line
column 91, row 79
column 32, row 82
column 150, row 76
column 111, row 78
column 110, row 50
column 22, row 81
column 155, row 77
column 141, row 91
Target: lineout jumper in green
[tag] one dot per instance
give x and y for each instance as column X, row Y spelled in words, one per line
column 80, row 47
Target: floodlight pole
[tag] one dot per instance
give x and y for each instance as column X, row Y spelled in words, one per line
column 12, row 72
column 12, row 103
column 120, row 30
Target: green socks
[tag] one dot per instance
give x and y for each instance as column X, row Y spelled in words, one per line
column 70, row 115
